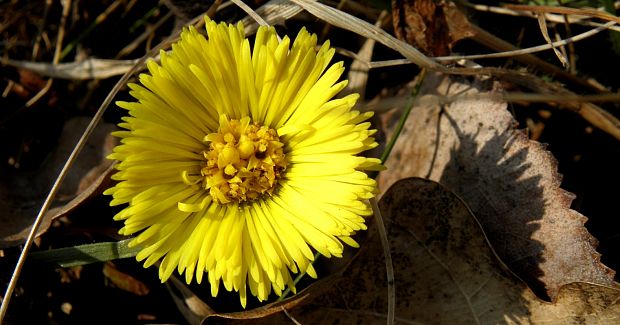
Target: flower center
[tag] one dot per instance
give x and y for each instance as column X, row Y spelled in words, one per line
column 244, row 161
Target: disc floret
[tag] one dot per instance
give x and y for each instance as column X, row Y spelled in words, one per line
column 244, row 161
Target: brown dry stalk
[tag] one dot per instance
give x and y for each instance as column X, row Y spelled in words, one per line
column 250, row 12
column 556, row 18
column 566, row 11
column 592, row 113
column 491, row 41
column 61, row 35
column 542, row 23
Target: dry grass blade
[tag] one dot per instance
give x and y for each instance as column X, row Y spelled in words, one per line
column 524, row 97
column 592, row 113
column 557, row 98
column 273, row 12
column 512, row 97
column 555, row 18
column 529, row 50
column 542, row 23
column 567, row 11
column 37, row 39
column 346, row 21
column 493, row 42
column 250, row 12
column 88, row 69
column 290, row 317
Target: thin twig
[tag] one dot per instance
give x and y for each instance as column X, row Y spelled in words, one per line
column 134, row 44
column 555, row 18
column 102, row 16
column 389, row 267
column 388, row 103
column 572, row 58
column 11, row 20
column 57, row 53
column 529, row 50
column 567, row 11
column 499, row 45
column 37, row 39
column 290, row 317
column 524, row 97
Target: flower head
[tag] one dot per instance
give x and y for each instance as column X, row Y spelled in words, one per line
column 237, row 162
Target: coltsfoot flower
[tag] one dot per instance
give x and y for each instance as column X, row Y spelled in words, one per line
column 237, row 162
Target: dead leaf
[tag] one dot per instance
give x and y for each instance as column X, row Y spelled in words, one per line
column 510, row 183
column 432, row 26
column 124, row 281
column 67, row 275
column 445, row 273
column 22, row 193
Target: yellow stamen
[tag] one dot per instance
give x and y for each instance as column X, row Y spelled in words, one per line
column 244, row 161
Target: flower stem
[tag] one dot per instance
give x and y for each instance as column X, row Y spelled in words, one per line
column 403, row 118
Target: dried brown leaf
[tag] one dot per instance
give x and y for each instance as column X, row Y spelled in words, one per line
column 22, row 193
column 124, row 281
column 445, row 273
column 510, row 183
column 432, row 26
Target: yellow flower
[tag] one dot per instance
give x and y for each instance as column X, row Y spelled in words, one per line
column 236, row 161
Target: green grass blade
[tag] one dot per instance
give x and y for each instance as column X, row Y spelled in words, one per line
column 85, row 254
